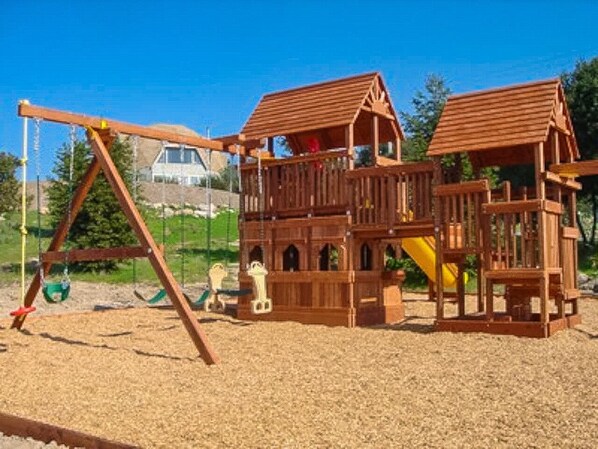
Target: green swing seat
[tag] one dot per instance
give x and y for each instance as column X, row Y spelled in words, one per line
column 56, row 292
column 202, row 298
column 154, row 299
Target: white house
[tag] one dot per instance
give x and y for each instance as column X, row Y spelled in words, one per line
column 188, row 165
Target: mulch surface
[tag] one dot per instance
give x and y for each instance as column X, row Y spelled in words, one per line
column 133, row 375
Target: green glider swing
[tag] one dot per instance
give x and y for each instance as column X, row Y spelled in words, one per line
column 224, row 291
column 217, row 272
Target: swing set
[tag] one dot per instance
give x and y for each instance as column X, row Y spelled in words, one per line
column 210, row 296
column 100, row 134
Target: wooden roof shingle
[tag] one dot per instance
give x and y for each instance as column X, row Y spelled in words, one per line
column 324, row 105
column 499, row 118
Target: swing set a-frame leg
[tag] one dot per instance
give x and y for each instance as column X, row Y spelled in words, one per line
column 103, row 161
column 154, row 255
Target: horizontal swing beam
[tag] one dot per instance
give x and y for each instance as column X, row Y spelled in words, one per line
column 81, row 255
column 98, row 123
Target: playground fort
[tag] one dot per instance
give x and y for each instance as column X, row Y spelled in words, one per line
column 316, row 227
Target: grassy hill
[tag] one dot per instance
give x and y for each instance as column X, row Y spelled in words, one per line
column 194, row 253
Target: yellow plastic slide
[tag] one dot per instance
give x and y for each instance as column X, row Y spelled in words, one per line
column 423, row 251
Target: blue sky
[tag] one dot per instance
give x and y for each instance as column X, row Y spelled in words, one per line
column 208, row 63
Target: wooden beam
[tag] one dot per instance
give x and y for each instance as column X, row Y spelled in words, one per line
column 239, row 139
column 574, row 169
column 437, row 181
column 375, row 138
column 350, row 145
column 477, row 186
column 97, row 123
column 41, row 431
column 378, row 112
column 80, row 255
column 561, row 180
column 158, row 262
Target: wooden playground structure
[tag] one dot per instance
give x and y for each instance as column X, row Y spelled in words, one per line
column 323, row 226
column 317, row 228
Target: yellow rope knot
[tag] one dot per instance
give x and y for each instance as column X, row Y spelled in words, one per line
column 23, row 161
column 23, row 230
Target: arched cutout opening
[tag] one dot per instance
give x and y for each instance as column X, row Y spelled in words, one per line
column 290, row 259
column 256, row 253
column 328, row 258
column 390, row 258
column 366, row 257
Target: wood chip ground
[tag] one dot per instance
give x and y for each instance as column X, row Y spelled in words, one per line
column 133, row 375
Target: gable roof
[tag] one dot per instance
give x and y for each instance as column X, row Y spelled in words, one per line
column 510, row 116
column 328, row 104
column 148, row 150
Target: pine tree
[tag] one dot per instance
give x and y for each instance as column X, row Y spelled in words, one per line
column 9, row 186
column 581, row 90
column 420, row 125
column 100, row 223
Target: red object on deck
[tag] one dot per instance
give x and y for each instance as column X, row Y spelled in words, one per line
column 313, row 146
column 23, row 311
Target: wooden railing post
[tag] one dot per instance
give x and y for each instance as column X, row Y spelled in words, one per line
column 438, row 240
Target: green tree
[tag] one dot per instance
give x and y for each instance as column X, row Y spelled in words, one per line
column 420, row 125
column 9, row 186
column 581, row 90
column 100, row 222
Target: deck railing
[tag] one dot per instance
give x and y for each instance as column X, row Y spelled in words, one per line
column 391, row 195
column 511, row 230
column 297, row 186
column 461, row 212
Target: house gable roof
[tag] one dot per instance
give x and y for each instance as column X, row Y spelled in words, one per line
column 508, row 117
column 149, row 149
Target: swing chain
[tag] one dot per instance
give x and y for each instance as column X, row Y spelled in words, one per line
column 135, row 188
column 262, row 205
column 182, row 211
column 36, row 150
column 135, row 172
column 73, row 141
column 209, row 201
column 163, row 144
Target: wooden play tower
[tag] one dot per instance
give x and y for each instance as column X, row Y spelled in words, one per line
column 323, row 225
column 524, row 239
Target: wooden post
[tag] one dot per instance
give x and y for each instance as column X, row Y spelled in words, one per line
column 461, row 288
column 438, row 240
column 540, row 167
column 350, row 146
column 350, row 241
column 375, row 138
column 271, row 146
column 398, row 155
column 154, row 255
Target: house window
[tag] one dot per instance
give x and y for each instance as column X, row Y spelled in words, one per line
column 174, row 155
column 290, row 259
column 328, row 258
column 366, row 257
